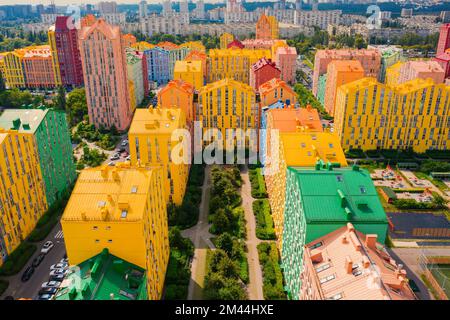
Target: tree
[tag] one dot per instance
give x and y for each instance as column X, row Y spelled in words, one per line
column 76, row 106
column 220, row 221
column 60, row 100
column 225, row 242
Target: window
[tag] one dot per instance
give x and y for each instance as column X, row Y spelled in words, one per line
column 109, row 241
column 97, row 241
column 316, row 245
column 134, row 189
column 328, row 278
column 357, row 272
column 95, row 228
column 124, row 214
column 323, row 267
column 340, row 178
column 362, row 189
column 337, row 296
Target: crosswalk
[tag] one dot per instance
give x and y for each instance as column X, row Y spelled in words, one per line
column 59, row 235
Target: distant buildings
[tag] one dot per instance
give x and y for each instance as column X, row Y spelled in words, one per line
column 267, row 28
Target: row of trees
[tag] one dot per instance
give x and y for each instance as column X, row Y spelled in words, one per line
column 307, row 98
column 209, row 41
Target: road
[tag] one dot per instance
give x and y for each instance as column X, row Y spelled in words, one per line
column 30, row 289
column 255, row 286
column 201, row 238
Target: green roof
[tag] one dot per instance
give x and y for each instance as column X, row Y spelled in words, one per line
column 105, row 277
column 23, row 120
column 339, row 195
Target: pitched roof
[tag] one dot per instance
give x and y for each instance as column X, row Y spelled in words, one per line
column 263, row 62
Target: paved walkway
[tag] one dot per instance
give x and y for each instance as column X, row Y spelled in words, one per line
column 255, row 286
column 201, row 238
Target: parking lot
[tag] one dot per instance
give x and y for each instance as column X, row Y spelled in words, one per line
column 120, row 154
column 419, row 226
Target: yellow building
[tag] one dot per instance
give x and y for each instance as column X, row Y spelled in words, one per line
column 131, row 94
column 227, row 104
column 302, row 142
column 13, row 69
column 150, row 139
column 234, row 63
column 55, row 61
column 190, row 72
column 393, row 74
column 123, row 210
column 22, row 191
column 225, row 40
column 194, row 45
column 142, row 46
column 371, row 115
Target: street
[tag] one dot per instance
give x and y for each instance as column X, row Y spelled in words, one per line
column 30, row 289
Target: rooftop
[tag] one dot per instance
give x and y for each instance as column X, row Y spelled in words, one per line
column 188, row 66
column 296, row 120
column 348, row 265
column 156, row 121
column 272, row 85
column 264, row 62
column 338, row 195
column 23, row 120
column 168, row 45
column 224, row 82
column 179, row 85
column 105, row 277
column 346, row 66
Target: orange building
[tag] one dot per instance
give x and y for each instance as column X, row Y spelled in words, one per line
column 267, row 27
column 275, row 90
column 179, row 94
column 340, row 72
column 38, row 67
column 128, row 40
column 349, row 265
column 88, row 20
column 195, row 55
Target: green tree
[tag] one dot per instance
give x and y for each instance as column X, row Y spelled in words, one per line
column 76, row 106
column 225, row 242
column 60, row 100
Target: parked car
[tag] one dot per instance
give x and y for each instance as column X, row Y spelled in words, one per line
column 60, row 265
column 111, row 164
column 37, row 261
column 48, row 291
column 114, row 157
column 124, row 143
column 45, row 297
column 64, row 260
column 128, row 158
column 125, row 154
column 27, row 274
column 51, row 284
column 59, row 271
column 57, row 277
column 121, row 150
column 47, row 247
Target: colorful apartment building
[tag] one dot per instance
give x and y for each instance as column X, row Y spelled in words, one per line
column 151, row 144
column 142, row 46
column 13, row 69
column 38, row 67
column 301, row 142
column 233, row 63
column 190, row 72
column 390, row 55
column 128, row 40
column 195, row 55
column 444, row 39
column 349, row 265
column 105, row 76
column 267, row 28
column 225, row 39
column 321, row 89
column 135, row 73
column 340, row 72
column 194, row 46
column 235, row 44
column 176, row 53
column 370, row 61
column 67, row 50
column 321, row 200
column 178, row 94
column 54, row 53
column 121, row 209
column 22, row 191
column 49, row 131
column 444, row 60
column 158, row 65
column 392, row 77
column 276, row 90
column 105, row 277
column 227, row 104
column 286, row 60
column 421, row 70
column 261, row 43
column 262, row 71
column 413, row 115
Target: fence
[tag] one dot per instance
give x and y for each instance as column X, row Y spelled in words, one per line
column 437, row 272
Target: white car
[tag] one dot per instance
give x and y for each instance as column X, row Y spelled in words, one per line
column 47, row 247
column 124, row 143
column 61, row 265
column 51, row 284
column 111, row 164
column 59, row 272
column 45, row 297
column 114, row 157
column 128, row 158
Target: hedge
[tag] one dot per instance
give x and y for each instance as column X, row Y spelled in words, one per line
column 273, row 287
column 258, row 185
column 3, row 286
column 264, row 222
column 17, row 259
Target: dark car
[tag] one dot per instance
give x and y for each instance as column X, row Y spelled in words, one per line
column 48, row 291
column 27, row 274
column 37, row 261
column 122, row 150
column 57, row 277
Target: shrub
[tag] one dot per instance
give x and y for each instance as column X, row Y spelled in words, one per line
column 264, row 222
column 258, row 185
column 273, row 277
column 17, row 259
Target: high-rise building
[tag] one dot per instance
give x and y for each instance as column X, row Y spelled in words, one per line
column 13, row 69
column 158, row 65
column 444, row 39
column 286, row 60
column 104, row 70
column 262, row 71
column 151, row 144
column 267, row 27
column 390, row 55
column 54, row 54
column 135, row 73
column 107, row 7
column 184, row 6
column 176, row 53
column 371, row 115
column 340, row 72
column 38, row 67
column 195, row 55
column 276, row 90
column 167, row 7
column 444, row 61
column 143, row 9
column 321, row 200
column 122, row 210
column 68, row 53
column 50, row 133
column 349, row 265
column 190, row 72
column 178, row 94
column 298, row 4
column 225, row 40
column 421, row 70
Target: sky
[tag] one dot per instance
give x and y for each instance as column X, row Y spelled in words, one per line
column 66, row 2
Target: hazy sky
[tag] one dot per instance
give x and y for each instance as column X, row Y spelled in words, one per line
column 65, row 2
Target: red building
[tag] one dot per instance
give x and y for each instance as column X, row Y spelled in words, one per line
column 262, row 71
column 66, row 39
column 235, row 44
column 444, row 39
column 444, row 60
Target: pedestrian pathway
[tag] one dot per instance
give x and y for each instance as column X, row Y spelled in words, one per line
column 59, row 235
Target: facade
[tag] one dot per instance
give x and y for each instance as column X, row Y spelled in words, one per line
column 176, row 53
column 267, row 27
column 393, row 74
column 135, row 60
column 158, row 65
column 195, row 55
column 390, row 55
column 422, row 70
column 178, row 94
column 370, row 61
column 54, row 53
column 225, row 40
column 227, row 104
column 340, row 72
column 321, row 19
column 444, row 39
column 262, row 71
column 321, row 88
column 49, row 131
column 22, row 192
column 286, row 60
column 321, row 200
column 190, row 72
column 371, row 115
column 13, row 69
column 194, row 45
column 349, row 265
column 151, row 145
column 68, row 53
column 233, row 63
column 167, row 24
column 444, row 60
column 276, row 90
column 120, row 209
column 38, row 67
column 104, row 72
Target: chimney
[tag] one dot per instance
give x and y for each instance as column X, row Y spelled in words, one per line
column 365, row 262
column 317, row 256
column 344, row 239
column 348, row 265
column 371, row 241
